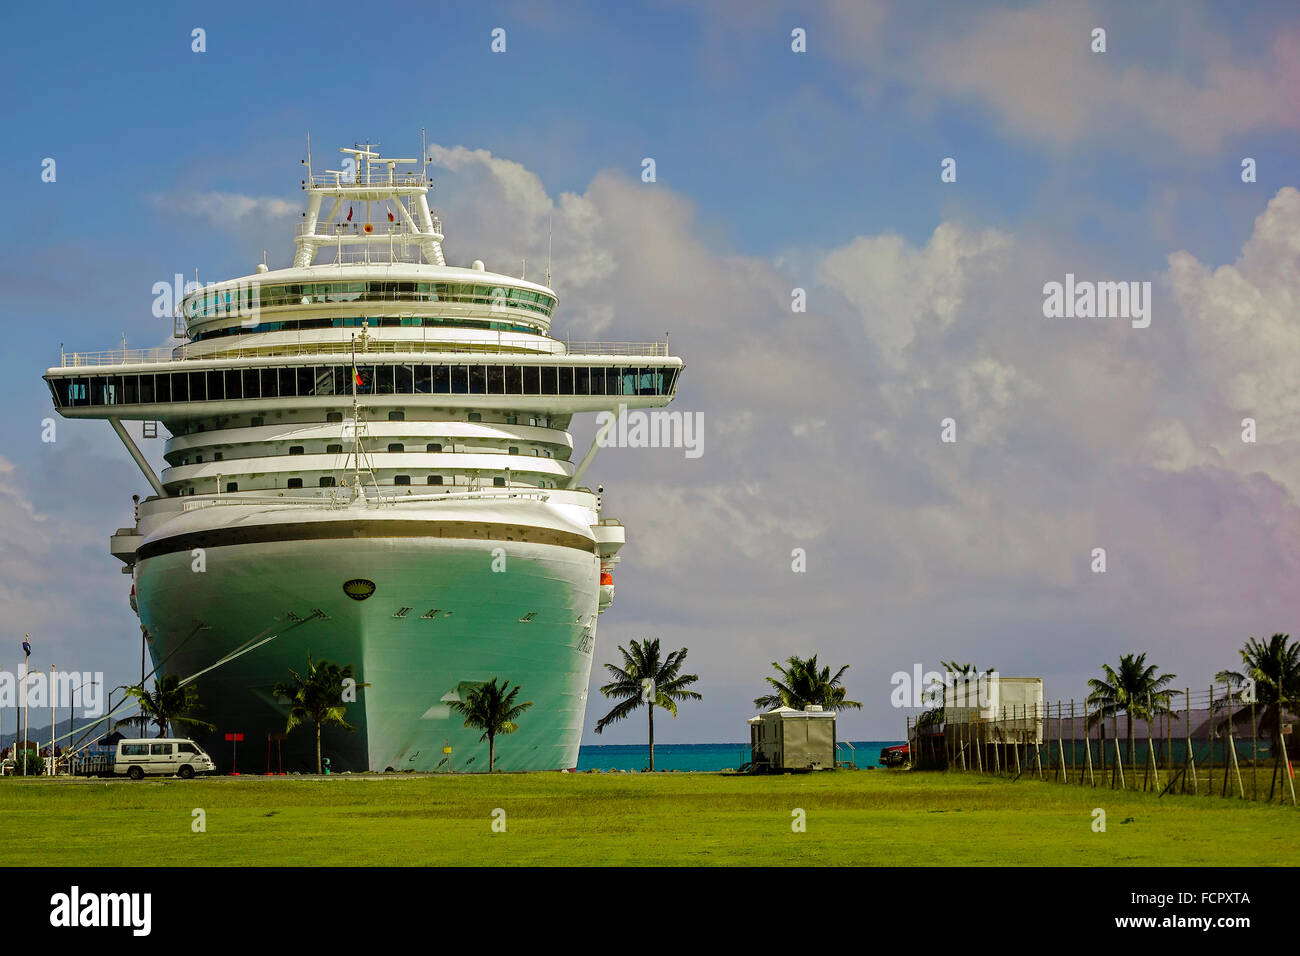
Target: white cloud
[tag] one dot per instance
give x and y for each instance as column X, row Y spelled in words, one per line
column 1033, row 67
column 1244, row 327
column 905, row 294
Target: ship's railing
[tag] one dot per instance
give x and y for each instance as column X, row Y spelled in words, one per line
column 344, row 500
column 490, row 346
column 326, row 231
column 377, row 177
column 328, row 254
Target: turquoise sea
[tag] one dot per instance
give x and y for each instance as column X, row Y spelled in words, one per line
column 865, row 753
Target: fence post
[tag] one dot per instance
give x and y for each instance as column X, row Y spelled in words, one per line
column 1232, row 748
column 1254, row 755
column 1190, row 759
column 1119, row 759
column 1087, row 750
column 1101, row 741
column 1169, row 740
column 1209, row 766
column 1016, row 741
column 1286, row 760
column 1060, row 741
column 1038, row 748
column 1074, row 741
column 1151, row 750
column 948, row 751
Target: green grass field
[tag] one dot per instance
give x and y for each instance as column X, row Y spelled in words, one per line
column 863, row 818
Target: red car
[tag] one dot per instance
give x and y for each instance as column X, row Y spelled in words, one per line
column 895, row 756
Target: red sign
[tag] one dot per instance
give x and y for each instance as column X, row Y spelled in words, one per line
column 234, row 736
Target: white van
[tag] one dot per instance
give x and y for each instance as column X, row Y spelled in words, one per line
column 161, row 755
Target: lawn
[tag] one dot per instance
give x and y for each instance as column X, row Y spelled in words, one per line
column 880, row 818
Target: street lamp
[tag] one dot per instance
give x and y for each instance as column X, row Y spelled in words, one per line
column 71, row 710
column 27, row 653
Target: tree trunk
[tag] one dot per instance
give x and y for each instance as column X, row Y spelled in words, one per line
column 318, row 763
column 1276, row 721
column 652, row 738
column 492, row 751
column 1132, row 760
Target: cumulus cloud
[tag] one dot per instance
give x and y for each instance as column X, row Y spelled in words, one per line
column 511, row 232
column 1243, row 324
column 1033, row 67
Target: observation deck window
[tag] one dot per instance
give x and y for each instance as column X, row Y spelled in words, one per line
column 329, row 380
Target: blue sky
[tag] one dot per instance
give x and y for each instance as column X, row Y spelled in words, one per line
column 775, row 170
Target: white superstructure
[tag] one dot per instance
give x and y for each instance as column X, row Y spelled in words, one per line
column 369, row 461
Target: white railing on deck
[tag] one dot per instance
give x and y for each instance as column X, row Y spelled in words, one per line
column 378, row 177
column 335, row 502
column 289, row 349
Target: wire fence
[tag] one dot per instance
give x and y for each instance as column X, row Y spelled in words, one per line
column 1210, row 743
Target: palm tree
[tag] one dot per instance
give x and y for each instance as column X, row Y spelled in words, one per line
column 1275, row 669
column 1133, row 690
column 169, row 703
column 801, row 684
column 645, row 679
column 493, row 710
column 316, row 696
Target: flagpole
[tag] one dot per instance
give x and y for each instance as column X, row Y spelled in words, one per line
column 51, row 771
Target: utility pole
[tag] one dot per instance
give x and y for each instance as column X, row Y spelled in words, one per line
column 51, row 768
column 27, row 654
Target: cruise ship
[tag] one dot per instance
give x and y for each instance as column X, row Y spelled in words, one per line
column 368, row 461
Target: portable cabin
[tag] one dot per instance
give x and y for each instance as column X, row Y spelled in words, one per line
column 787, row 739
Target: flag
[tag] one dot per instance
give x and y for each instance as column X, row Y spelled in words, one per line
column 27, row 647
column 356, row 377
column 390, row 217
column 349, row 213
